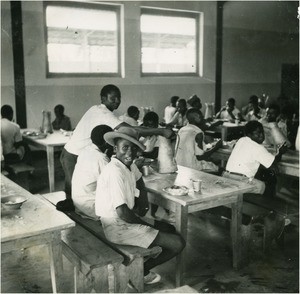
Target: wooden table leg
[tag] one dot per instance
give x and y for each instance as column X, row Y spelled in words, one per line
column 236, row 231
column 56, row 263
column 181, row 219
column 50, row 160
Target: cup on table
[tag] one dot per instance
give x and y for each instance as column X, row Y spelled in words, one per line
column 237, row 122
column 197, row 183
column 145, row 170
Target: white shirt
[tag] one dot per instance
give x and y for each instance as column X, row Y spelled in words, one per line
column 10, row 134
column 90, row 163
column 186, row 147
column 246, row 157
column 225, row 115
column 250, row 115
column 129, row 120
column 116, row 186
column 96, row 115
column 169, row 112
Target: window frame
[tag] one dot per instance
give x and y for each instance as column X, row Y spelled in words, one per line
column 198, row 16
column 118, row 8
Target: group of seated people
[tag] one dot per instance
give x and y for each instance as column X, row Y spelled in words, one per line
column 103, row 158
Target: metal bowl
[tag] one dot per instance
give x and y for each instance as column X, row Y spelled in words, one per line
column 12, row 202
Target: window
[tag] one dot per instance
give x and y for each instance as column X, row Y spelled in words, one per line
column 170, row 42
column 82, row 39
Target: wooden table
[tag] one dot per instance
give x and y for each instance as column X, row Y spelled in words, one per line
column 216, row 191
column 36, row 223
column 53, row 142
column 227, row 131
column 289, row 164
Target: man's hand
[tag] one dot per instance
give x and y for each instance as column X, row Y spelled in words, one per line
column 168, row 133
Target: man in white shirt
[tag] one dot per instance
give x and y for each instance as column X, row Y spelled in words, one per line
column 132, row 116
column 229, row 112
column 13, row 147
column 116, row 198
column 170, row 109
column 247, row 156
column 97, row 115
column 255, row 112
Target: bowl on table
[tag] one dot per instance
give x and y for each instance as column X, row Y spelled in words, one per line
column 12, row 202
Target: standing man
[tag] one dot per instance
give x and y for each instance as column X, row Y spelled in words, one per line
column 97, row 115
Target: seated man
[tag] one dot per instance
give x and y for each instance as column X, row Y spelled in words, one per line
column 90, row 162
column 229, row 112
column 247, row 156
column 61, row 120
column 254, row 111
column 190, row 148
column 273, row 130
column 13, row 148
column 116, row 197
column 132, row 116
column 170, row 109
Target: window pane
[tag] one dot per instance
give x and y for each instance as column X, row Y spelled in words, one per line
column 168, row 44
column 82, row 40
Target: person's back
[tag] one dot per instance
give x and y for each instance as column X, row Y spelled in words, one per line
column 188, row 147
column 170, row 109
column 90, row 163
column 11, row 137
column 61, row 120
column 131, row 117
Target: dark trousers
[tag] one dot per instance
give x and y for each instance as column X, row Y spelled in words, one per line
column 269, row 178
column 68, row 162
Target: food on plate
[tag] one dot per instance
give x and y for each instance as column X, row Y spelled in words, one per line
column 177, row 190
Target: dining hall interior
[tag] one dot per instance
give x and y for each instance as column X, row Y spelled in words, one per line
column 61, row 55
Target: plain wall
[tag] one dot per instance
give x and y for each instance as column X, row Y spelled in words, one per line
column 79, row 94
column 258, row 37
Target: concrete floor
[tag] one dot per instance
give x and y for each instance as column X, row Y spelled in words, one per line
column 208, row 268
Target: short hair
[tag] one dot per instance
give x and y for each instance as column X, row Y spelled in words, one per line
column 109, row 89
column 151, row 116
column 193, row 100
column 98, row 133
column 231, row 100
column 6, row 111
column 174, row 99
column 132, row 111
column 190, row 112
column 59, row 108
column 253, row 99
column 275, row 106
column 182, row 101
column 251, row 126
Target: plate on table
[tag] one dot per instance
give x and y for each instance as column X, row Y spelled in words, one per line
column 35, row 135
column 176, row 190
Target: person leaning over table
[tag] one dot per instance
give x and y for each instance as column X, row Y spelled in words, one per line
column 254, row 111
column 98, row 114
column 61, row 120
column 248, row 155
column 117, row 198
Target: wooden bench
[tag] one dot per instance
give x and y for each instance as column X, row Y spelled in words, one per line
column 253, row 213
column 19, row 173
column 96, row 265
column 132, row 268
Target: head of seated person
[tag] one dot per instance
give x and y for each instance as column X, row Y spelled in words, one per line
column 7, row 112
column 59, row 111
column 230, row 104
column 255, row 131
column 273, row 112
column 151, row 120
column 194, row 116
column 133, row 112
column 174, row 100
column 253, row 102
column 194, row 101
column 97, row 137
column 181, row 106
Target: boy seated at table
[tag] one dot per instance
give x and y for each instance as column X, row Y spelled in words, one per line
column 61, row 120
column 132, row 116
column 229, row 111
column 90, row 162
column 13, row 147
column 190, row 149
column 117, row 197
column 249, row 155
column 254, row 111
